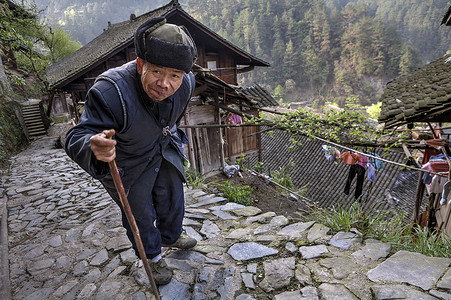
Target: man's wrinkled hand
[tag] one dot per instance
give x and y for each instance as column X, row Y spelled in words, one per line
column 103, row 147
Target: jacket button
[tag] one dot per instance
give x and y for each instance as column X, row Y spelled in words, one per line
column 157, row 169
column 163, row 121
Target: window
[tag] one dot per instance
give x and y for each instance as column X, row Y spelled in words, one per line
column 211, row 65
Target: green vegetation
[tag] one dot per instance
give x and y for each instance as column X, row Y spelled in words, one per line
column 282, row 176
column 30, row 46
column 386, row 226
column 194, row 178
column 12, row 139
column 240, row 194
column 322, row 51
column 327, row 50
column 34, row 45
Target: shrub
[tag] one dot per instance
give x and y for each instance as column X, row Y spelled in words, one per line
column 12, row 138
column 240, row 194
column 194, row 178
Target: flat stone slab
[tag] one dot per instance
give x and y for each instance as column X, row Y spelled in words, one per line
column 440, row 294
column 175, row 290
column 250, row 250
column 335, row 291
column 223, row 215
column 228, row 206
column 278, row 273
column 341, row 267
column 306, row 293
column 412, row 268
column 373, row 250
column 445, row 282
column 294, row 230
column 309, row 252
column 317, row 232
column 399, row 292
column 345, row 240
column 210, row 229
column 247, row 211
column 208, row 201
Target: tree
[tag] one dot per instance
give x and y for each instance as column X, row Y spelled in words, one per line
column 58, row 44
column 409, row 60
column 35, row 44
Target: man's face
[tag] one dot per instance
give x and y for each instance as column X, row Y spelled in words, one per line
column 159, row 82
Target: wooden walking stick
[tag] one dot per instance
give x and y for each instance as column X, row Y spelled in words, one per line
column 131, row 219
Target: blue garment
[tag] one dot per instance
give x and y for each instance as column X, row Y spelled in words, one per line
column 147, row 137
column 371, row 173
column 377, row 163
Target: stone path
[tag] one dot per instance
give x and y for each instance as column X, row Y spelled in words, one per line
column 65, row 241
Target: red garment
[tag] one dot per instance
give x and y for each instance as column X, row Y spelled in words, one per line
column 428, row 153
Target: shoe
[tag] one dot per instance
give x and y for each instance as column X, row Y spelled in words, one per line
column 161, row 273
column 183, row 242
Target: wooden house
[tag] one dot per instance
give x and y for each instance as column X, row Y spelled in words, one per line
column 216, row 95
column 423, row 96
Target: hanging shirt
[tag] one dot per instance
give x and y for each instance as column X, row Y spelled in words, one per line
column 332, row 154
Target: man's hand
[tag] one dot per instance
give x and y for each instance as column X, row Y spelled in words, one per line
column 103, row 146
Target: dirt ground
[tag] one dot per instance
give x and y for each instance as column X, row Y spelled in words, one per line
column 266, row 195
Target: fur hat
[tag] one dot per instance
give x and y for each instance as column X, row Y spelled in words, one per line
column 165, row 45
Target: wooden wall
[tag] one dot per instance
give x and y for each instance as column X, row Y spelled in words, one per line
column 240, row 140
column 443, row 216
column 204, row 146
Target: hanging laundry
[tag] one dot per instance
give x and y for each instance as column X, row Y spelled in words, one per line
column 348, row 158
column 428, row 153
column 445, row 193
column 235, row 119
column 377, row 163
column 360, row 172
column 371, row 173
column 332, row 154
column 361, row 159
column 437, row 184
column 427, row 177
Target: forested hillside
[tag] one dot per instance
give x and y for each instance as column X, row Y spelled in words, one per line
column 319, row 50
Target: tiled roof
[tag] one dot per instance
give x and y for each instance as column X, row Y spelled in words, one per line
column 422, row 95
column 117, row 37
column 111, row 40
column 325, row 181
column 260, row 92
column 255, row 97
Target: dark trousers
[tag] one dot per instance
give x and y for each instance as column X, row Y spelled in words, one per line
column 353, row 171
column 157, row 203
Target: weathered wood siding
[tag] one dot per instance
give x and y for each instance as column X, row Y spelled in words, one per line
column 204, row 143
column 240, row 140
column 443, row 216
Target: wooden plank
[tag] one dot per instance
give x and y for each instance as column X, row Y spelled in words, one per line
column 203, row 114
column 191, row 152
column 199, row 156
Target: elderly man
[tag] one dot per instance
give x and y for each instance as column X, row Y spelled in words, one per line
column 143, row 101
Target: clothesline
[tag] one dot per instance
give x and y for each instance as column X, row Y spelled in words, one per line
column 375, row 157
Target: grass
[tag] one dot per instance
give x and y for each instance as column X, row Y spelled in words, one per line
column 385, row 226
column 194, row 178
column 240, row 194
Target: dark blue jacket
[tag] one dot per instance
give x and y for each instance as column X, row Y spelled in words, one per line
column 144, row 129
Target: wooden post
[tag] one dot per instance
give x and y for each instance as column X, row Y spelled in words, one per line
column 259, row 145
column 199, row 143
column 418, row 198
column 221, row 139
column 191, row 150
